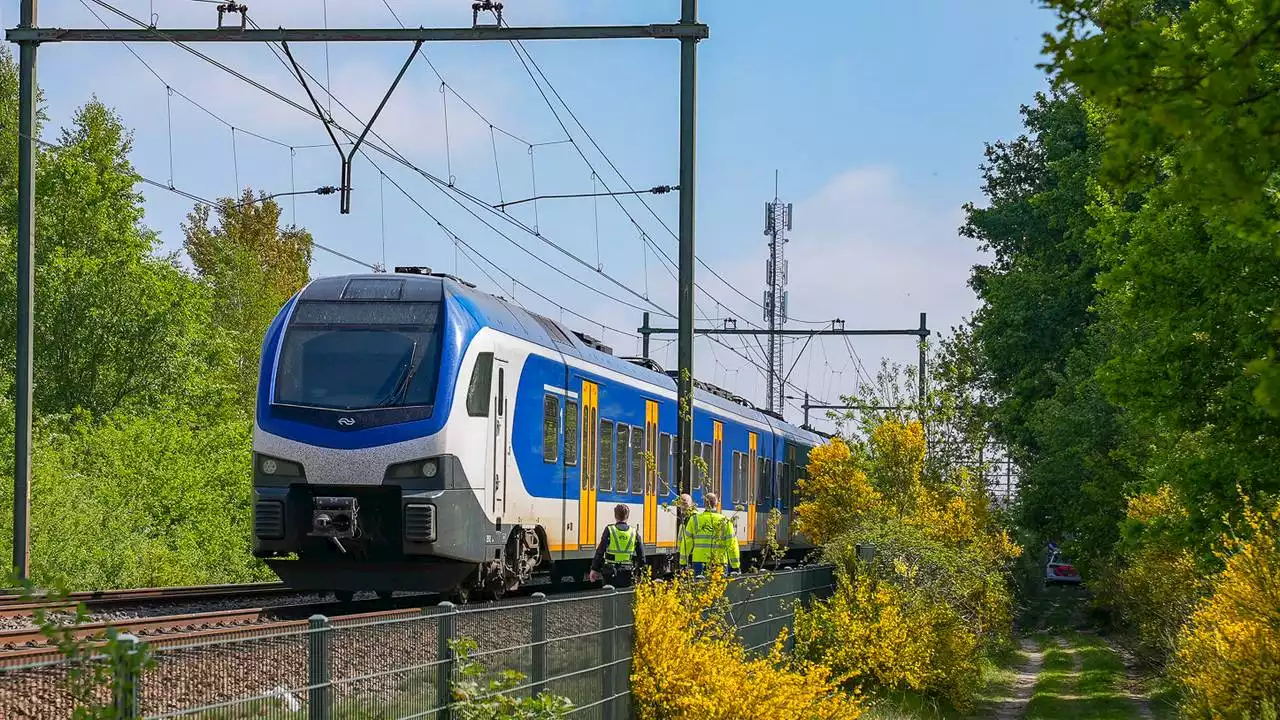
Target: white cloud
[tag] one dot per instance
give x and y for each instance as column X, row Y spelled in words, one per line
column 865, row 249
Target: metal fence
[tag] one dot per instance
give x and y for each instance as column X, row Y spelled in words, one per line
column 397, row 665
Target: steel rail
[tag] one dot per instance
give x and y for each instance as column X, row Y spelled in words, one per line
column 14, row 605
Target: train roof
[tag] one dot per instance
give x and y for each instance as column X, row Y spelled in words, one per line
column 508, row 317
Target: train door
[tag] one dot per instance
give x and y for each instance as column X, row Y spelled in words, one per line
column 587, row 480
column 750, row 482
column 650, row 529
column 716, row 484
column 498, row 441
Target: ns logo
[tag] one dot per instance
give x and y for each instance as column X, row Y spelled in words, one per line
column 346, row 421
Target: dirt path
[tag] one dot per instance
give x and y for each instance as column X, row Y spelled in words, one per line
column 1014, row 706
column 1132, row 682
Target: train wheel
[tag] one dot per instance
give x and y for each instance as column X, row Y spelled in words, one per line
column 344, row 596
column 384, row 594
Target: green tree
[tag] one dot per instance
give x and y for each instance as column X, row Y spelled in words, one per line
column 252, row 266
column 1197, row 109
column 114, row 323
column 1191, row 94
column 143, row 500
column 1037, row 336
column 141, row 462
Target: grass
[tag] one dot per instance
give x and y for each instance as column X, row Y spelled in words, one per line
column 1052, row 696
column 998, row 676
column 1163, row 698
column 1085, row 679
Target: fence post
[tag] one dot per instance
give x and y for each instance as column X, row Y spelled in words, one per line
column 539, row 643
column 796, row 597
column 319, row 694
column 124, row 676
column 608, row 625
column 446, row 622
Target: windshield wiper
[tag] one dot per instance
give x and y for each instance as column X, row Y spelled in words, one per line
column 406, row 379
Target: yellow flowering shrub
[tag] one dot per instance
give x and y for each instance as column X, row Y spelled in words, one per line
column 1159, row 580
column 1228, row 656
column 874, row 633
column 837, row 493
column 688, row 663
column 920, row 614
column 897, row 454
column 963, row 517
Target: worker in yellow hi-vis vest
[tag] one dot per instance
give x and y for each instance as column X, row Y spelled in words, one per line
column 620, row 553
column 709, row 539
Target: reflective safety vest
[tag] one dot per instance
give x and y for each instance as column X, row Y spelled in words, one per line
column 709, row 538
column 622, row 545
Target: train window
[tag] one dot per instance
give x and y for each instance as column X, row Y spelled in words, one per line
column 624, row 443
column 637, row 461
column 550, row 428
column 478, row 390
column 786, row 486
column 664, row 464
column 735, row 481
column 570, row 432
column 360, row 355
column 748, row 478
column 502, row 394
column 744, row 484
column 605, row 472
column 606, row 456
column 763, row 493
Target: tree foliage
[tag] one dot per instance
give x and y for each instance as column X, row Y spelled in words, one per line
column 251, row 267
column 1145, row 411
column 1229, row 654
column 920, row 613
column 142, row 454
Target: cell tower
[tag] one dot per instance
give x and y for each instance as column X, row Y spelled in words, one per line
column 777, row 221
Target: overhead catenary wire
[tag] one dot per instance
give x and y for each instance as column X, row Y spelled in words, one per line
column 213, row 204
column 472, row 254
column 389, row 152
column 399, row 158
column 450, row 190
column 523, row 53
column 386, row 152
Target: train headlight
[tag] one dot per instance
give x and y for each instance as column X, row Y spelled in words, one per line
column 276, row 467
column 429, row 470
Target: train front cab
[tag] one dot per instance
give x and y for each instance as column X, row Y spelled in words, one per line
column 380, row 495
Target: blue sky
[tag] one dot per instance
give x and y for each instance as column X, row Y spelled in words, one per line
column 875, row 115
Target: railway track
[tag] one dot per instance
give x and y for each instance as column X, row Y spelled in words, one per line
column 31, row 642
column 25, row 641
column 12, row 605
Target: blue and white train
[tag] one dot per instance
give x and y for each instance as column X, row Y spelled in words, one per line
column 414, row 433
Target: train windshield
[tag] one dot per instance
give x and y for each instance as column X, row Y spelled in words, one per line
column 360, row 355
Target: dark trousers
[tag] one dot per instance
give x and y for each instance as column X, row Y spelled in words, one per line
column 619, row 576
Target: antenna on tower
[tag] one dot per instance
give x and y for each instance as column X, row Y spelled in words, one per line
column 777, row 221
